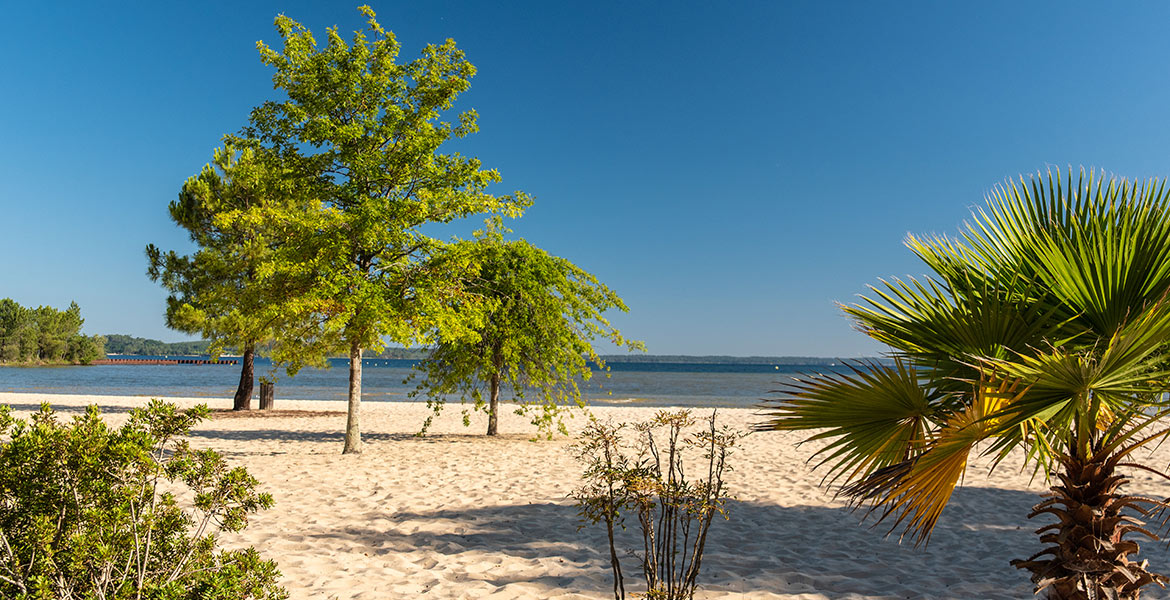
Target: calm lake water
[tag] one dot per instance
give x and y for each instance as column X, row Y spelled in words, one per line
column 648, row 384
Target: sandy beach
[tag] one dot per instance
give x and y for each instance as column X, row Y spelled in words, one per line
column 458, row 515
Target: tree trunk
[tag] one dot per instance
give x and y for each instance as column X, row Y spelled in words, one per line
column 494, row 401
column 494, row 406
column 1089, row 557
column 243, row 399
column 353, row 431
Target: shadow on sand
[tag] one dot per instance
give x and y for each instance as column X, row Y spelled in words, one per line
column 763, row 547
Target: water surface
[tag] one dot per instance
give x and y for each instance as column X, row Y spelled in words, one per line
column 650, row 384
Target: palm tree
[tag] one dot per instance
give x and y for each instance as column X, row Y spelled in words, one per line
column 1044, row 329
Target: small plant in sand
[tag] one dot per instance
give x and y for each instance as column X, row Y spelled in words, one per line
column 647, row 479
column 85, row 511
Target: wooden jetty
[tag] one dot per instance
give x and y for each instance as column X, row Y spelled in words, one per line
column 162, row 361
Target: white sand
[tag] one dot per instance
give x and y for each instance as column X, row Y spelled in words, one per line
column 457, row 515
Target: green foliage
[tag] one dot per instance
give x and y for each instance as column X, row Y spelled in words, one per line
column 87, row 511
column 366, row 131
column 45, row 335
column 363, row 134
column 540, row 316
column 648, row 481
column 218, row 291
column 1044, row 328
column 125, row 344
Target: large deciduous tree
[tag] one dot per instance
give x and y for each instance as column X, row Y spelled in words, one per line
column 541, row 314
column 366, row 132
column 218, row 291
column 1044, row 329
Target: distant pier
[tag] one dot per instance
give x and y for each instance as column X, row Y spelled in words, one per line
column 162, row 361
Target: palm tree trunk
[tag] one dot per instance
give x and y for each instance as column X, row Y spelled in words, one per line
column 353, row 432
column 1088, row 556
column 243, row 398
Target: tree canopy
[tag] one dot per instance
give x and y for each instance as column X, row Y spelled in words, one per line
column 218, row 291
column 541, row 315
column 363, row 132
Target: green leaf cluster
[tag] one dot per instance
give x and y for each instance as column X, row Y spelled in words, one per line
column 45, row 335
column 221, row 291
column 87, row 511
column 534, row 317
column 363, row 133
column 1044, row 327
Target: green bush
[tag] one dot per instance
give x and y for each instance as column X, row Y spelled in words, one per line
column 87, row 511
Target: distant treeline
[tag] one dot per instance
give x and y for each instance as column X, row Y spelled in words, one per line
column 45, row 335
column 125, row 344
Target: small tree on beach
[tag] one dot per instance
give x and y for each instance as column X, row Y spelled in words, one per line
column 540, row 316
column 1045, row 329
column 219, row 291
column 364, row 132
column 648, row 480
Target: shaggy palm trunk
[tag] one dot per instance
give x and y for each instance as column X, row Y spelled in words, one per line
column 353, row 432
column 1088, row 555
column 243, row 399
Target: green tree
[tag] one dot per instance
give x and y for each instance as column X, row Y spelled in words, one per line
column 1044, row 329
column 218, row 291
column 542, row 315
column 84, row 349
column 45, row 335
column 16, row 325
column 365, row 131
column 53, row 330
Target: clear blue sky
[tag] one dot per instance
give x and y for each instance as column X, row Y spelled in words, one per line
column 731, row 169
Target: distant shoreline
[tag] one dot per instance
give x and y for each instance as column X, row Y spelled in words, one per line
column 685, row 359
column 123, row 345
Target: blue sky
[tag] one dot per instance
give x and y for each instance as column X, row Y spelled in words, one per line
column 731, row 169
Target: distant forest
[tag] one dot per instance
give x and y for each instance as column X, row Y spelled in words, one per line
column 124, row 344
column 45, row 335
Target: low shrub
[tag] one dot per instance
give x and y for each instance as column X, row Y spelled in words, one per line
column 647, row 479
column 87, row 511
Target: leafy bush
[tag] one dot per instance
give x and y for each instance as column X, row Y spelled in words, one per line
column 648, row 479
column 86, row 511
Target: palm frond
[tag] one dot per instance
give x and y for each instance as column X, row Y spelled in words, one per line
column 874, row 416
column 915, row 491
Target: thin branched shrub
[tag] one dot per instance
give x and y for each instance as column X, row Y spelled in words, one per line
column 646, row 479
